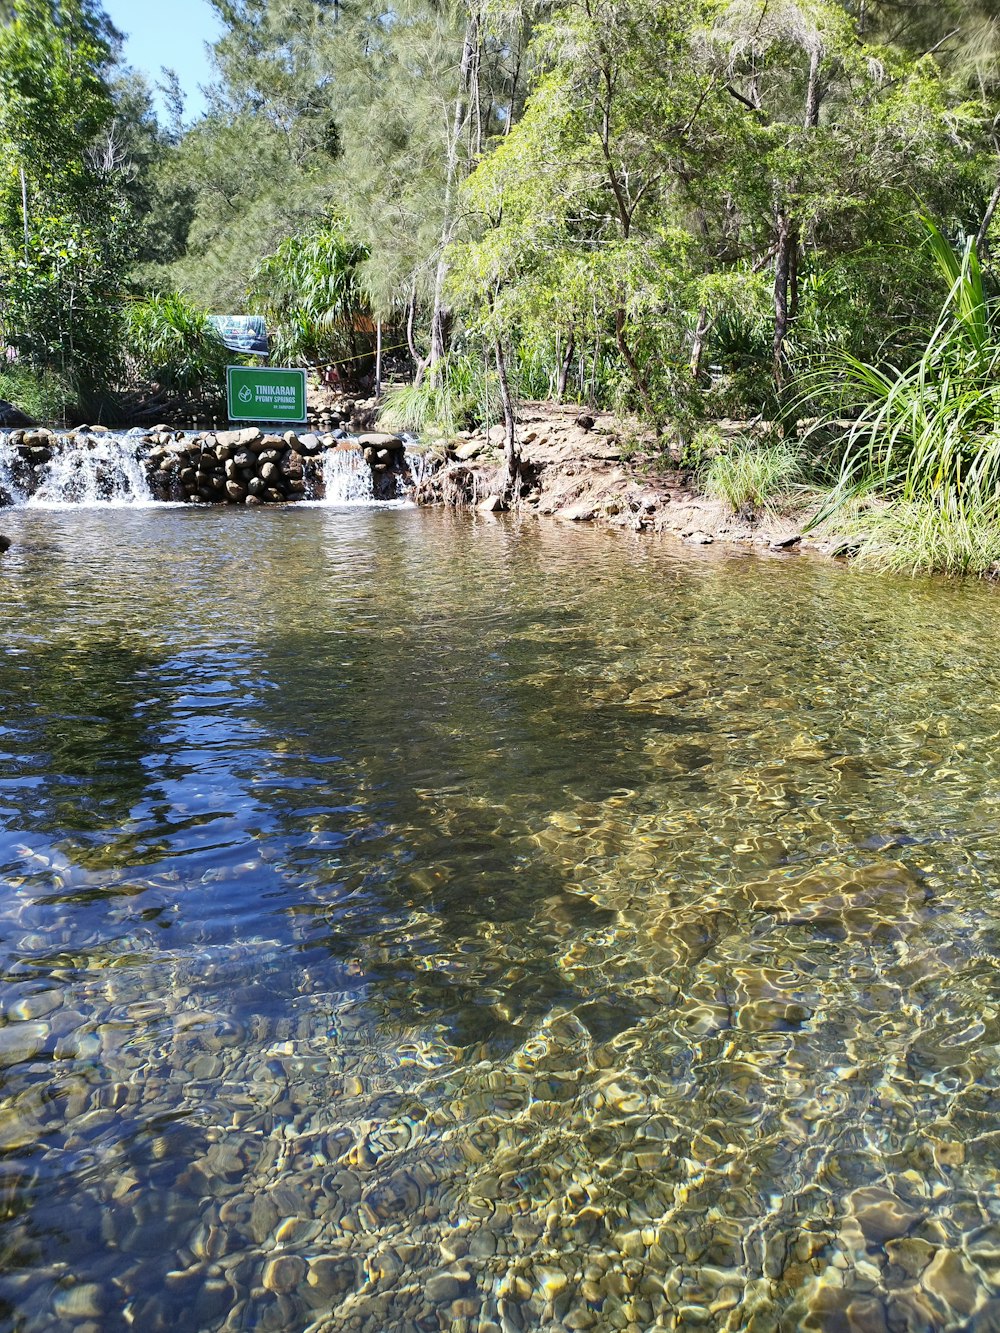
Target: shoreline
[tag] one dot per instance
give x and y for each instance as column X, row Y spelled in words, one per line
column 579, row 466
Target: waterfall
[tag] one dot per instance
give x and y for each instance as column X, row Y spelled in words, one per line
column 416, row 465
column 44, row 470
column 12, row 491
column 80, row 470
column 347, row 478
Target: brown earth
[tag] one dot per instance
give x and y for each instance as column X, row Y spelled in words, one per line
column 586, row 467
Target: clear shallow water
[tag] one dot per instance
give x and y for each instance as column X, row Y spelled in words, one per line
column 415, row 923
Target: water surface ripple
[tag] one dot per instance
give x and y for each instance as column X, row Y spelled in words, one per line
column 411, row 922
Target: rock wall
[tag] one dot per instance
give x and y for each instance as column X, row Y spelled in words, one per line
column 247, row 466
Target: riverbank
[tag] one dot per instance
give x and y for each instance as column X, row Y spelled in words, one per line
column 577, row 467
column 590, row 467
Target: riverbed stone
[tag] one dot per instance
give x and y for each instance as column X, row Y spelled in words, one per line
column 11, row 415
column 882, row 1215
column 380, row 440
column 284, row 1273
column 953, row 1280
column 22, row 1041
column 85, row 1300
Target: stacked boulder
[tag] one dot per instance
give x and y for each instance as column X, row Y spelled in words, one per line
column 31, row 452
column 246, row 467
column 234, row 466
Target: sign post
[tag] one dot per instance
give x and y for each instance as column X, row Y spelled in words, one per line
column 256, row 394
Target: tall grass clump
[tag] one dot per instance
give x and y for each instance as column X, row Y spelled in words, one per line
column 42, row 395
column 924, row 536
column 171, row 342
column 752, row 475
column 462, row 393
column 926, row 437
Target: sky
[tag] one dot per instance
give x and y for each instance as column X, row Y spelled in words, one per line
column 169, row 33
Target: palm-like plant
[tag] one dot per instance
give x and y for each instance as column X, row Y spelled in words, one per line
column 310, row 293
column 928, row 433
column 172, row 342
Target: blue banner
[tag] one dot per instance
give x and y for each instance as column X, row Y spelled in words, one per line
column 242, row 333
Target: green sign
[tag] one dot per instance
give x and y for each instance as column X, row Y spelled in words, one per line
column 266, row 395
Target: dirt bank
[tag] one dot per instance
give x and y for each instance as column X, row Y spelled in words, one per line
column 584, row 467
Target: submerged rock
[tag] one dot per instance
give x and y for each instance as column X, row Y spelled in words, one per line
column 5, row 543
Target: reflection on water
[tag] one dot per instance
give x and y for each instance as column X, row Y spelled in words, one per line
column 412, row 923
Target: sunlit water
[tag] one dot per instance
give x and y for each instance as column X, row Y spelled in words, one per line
column 418, row 923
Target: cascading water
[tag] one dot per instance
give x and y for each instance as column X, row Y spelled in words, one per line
column 75, row 470
column 347, row 478
column 117, row 469
column 416, row 467
column 12, row 491
column 102, row 470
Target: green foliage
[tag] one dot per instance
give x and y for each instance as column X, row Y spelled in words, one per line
column 697, row 453
column 311, row 295
column 171, row 342
column 66, row 225
column 929, row 432
column 42, row 395
column 430, row 407
column 464, row 394
column 751, row 475
column 924, row 536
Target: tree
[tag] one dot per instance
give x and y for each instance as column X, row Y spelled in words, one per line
column 65, row 235
column 581, row 211
column 422, row 96
column 310, row 292
column 259, row 166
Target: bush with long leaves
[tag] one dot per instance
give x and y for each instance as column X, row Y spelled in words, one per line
column 930, row 432
column 311, row 295
column 171, row 342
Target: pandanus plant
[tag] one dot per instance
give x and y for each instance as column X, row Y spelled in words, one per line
column 928, row 433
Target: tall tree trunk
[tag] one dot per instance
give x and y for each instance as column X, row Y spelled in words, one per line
column 378, row 359
column 24, row 215
column 511, row 452
column 564, row 367
column 982, row 247
column 786, row 282
column 439, row 320
column 440, row 316
column 419, row 362
column 638, row 378
column 701, row 332
column 787, row 242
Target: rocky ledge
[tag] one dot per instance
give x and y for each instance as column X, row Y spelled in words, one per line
column 585, row 467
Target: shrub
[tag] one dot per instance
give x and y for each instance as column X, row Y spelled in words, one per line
column 463, row 393
column 929, row 431
column 924, row 536
column 752, row 475
column 171, row 342
column 42, row 395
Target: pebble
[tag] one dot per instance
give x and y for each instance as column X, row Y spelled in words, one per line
column 950, row 1277
column 882, row 1215
column 22, row 1041
column 284, row 1273
column 83, row 1301
column 331, row 1276
column 443, row 1288
column 37, row 1005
